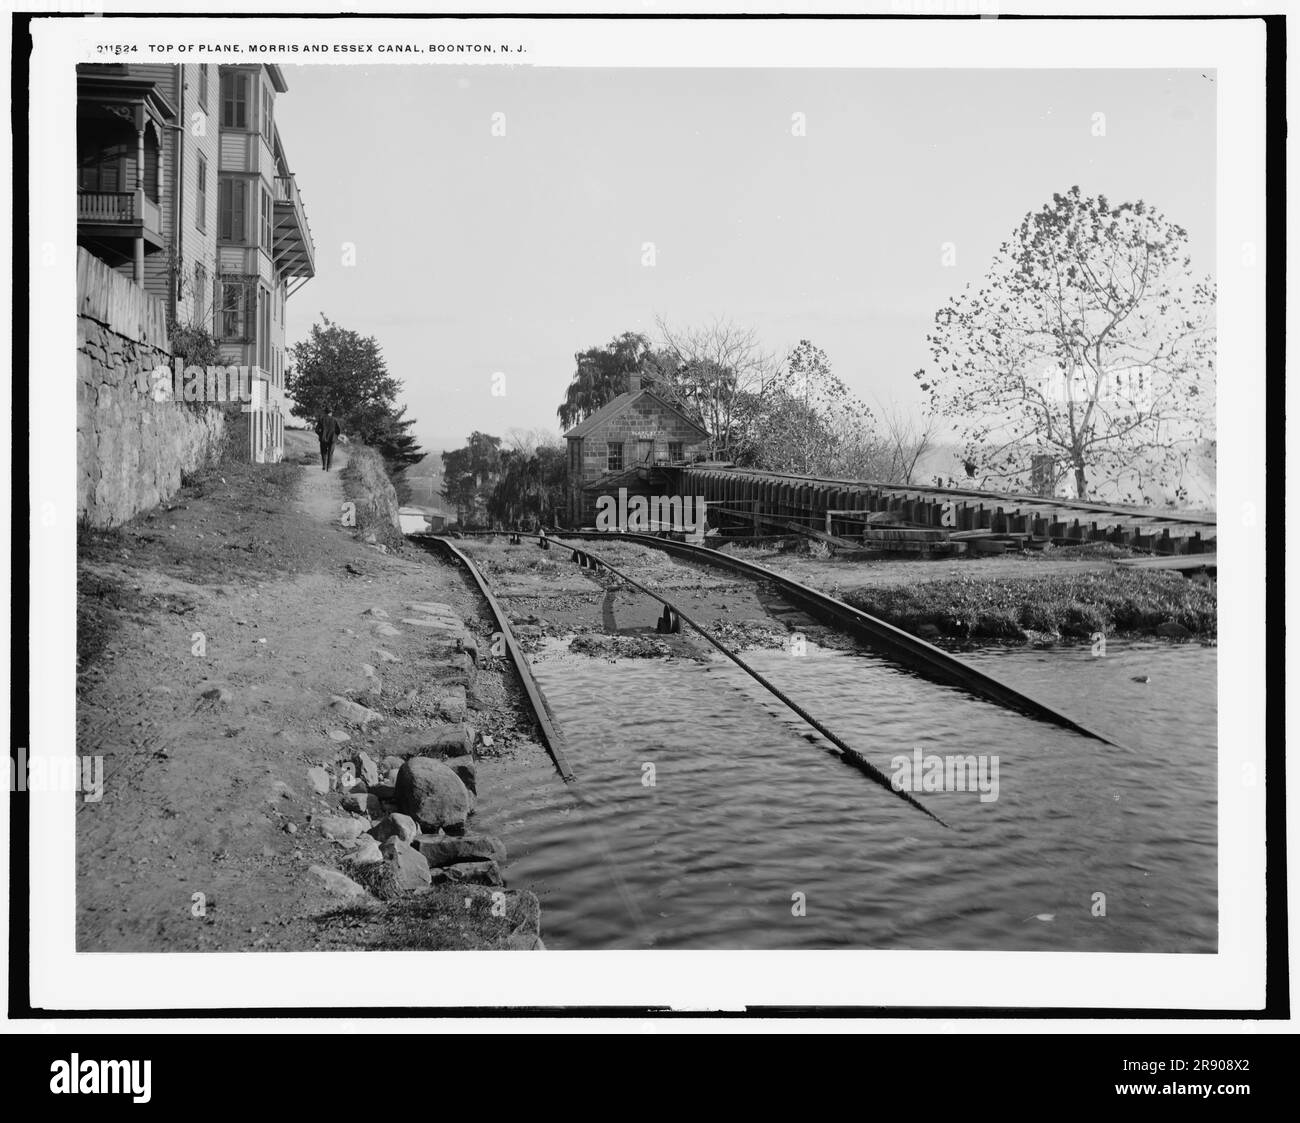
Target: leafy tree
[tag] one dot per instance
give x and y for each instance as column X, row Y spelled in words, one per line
column 808, row 421
column 1089, row 346
column 469, row 474
column 334, row 368
column 387, row 430
column 601, row 375
column 531, row 485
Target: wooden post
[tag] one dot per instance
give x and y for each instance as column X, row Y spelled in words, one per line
column 138, row 216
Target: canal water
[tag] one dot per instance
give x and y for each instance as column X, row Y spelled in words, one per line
column 706, row 815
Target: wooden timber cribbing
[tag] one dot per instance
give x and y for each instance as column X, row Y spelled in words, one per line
column 893, row 643
column 751, row 498
column 536, row 699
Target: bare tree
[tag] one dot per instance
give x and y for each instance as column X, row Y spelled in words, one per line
column 1089, row 345
column 905, row 442
column 720, row 367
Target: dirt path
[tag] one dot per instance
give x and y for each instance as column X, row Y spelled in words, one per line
column 320, row 493
column 231, row 617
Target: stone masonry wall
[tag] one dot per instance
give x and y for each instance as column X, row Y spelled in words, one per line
column 131, row 450
column 644, row 418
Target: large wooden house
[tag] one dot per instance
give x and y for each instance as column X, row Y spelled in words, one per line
column 184, row 187
column 627, row 443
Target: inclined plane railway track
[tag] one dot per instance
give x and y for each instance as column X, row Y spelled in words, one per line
column 894, row 644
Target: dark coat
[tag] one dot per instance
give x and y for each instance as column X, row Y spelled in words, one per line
column 328, row 429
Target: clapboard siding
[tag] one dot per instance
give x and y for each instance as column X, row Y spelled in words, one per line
column 199, row 246
column 162, row 74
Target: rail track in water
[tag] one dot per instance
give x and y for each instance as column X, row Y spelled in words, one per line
column 890, row 643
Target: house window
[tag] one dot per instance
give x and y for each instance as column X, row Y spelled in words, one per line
column 203, row 87
column 201, row 195
column 232, row 204
column 614, row 461
column 266, row 220
column 103, row 169
column 234, row 100
column 200, row 290
column 264, row 329
column 676, row 451
column 233, row 322
column 267, row 102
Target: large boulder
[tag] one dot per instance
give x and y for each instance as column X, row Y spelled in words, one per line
column 364, row 803
column 439, row 740
column 432, row 794
column 441, row 850
column 353, row 711
column 395, row 826
column 466, row 769
column 337, row 883
column 340, row 828
column 477, row 873
column 409, row 867
column 366, row 853
column 366, row 768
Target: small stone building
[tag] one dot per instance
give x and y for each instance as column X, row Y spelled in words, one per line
column 627, row 443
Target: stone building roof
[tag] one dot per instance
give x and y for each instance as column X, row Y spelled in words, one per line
column 613, row 408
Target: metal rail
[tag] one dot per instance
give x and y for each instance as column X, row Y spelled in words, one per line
column 537, row 700
column 893, row 643
column 850, row 754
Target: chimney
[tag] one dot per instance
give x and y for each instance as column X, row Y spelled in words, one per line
column 634, row 382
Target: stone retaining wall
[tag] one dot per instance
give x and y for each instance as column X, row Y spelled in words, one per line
column 131, row 450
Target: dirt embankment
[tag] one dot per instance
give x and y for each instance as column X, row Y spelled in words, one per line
column 1042, row 597
column 258, row 684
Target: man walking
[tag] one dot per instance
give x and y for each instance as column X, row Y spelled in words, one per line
column 328, row 430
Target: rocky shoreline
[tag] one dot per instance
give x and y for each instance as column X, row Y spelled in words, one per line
column 402, row 821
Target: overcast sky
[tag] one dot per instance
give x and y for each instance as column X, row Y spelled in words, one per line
column 478, row 254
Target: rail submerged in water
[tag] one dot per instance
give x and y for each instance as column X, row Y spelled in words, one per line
column 551, row 735
column 886, row 640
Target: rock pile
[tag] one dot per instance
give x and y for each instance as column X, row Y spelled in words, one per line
column 405, row 820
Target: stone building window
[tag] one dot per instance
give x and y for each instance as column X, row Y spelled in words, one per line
column 676, row 451
column 614, row 462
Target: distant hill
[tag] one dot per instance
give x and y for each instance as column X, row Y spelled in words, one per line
column 424, row 481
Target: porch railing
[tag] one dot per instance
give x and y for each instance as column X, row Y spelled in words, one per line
column 106, row 206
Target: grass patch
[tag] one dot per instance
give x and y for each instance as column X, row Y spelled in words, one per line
column 441, row 918
column 1069, row 605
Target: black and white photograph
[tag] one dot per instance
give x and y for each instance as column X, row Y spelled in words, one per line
column 647, row 486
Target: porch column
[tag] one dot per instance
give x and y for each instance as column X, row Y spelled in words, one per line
column 138, row 214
